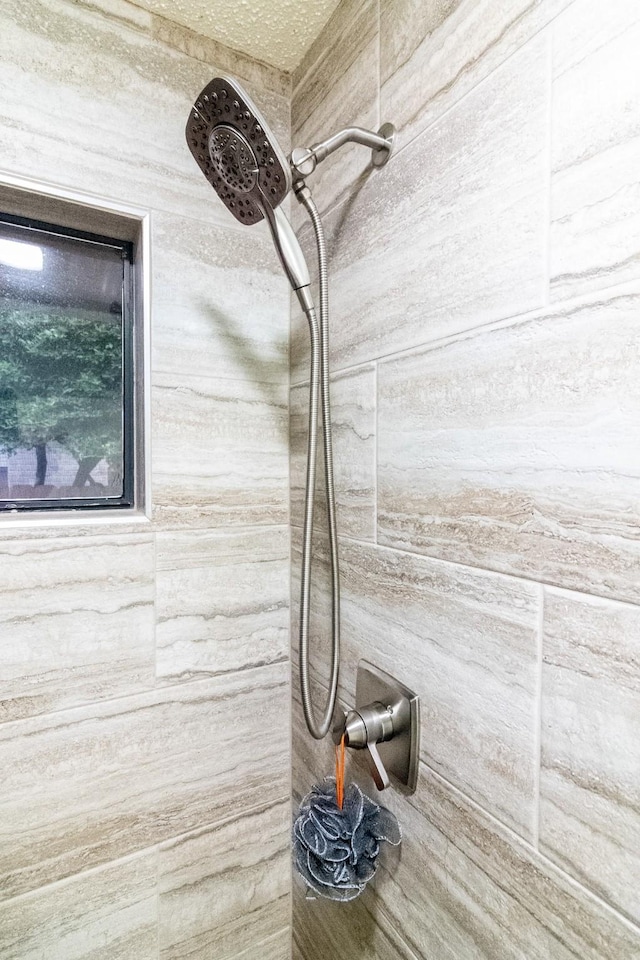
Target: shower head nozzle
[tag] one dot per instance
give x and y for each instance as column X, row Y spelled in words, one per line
column 233, row 146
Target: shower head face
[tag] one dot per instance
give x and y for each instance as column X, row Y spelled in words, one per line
column 233, row 146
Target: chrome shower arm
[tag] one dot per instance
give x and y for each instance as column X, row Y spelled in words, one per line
column 304, row 160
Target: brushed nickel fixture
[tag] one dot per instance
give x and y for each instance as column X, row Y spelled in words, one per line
column 386, row 724
column 236, row 151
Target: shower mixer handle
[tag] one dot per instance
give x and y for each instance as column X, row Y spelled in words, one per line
column 386, row 724
column 364, row 729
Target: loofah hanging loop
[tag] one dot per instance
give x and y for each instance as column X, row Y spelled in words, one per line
column 336, row 850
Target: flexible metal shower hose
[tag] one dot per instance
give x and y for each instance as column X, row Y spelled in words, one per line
column 319, row 396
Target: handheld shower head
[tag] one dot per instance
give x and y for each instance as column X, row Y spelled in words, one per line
column 236, row 151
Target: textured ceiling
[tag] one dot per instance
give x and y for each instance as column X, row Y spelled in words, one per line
column 278, row 32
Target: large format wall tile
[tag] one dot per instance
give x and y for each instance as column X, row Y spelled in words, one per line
column 335, row 89
column 96, row 103
column 222, row 600
column 459, row 888
column 76, row 621
column 220, row 451
column 432, row 54
column 590, row 778
column 73, row 80
column 356, row 931
column 354, row 451
column 221, row 302
column 466, row 642
column 450, row 234
column 595, row 140
column 224, row 891
column 95, row 783
column 516, row 448
column 104, row 914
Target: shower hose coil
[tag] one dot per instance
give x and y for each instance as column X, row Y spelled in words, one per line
column 319, row 401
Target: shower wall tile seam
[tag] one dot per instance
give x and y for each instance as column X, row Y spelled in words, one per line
column 537, row 750
column 157, row 899
column 516, row 577
column 204, row 828
column 187, row 378
column 379, row 39
column 598, row 296
column 145, row 851
column 375, row 451
column 451, row 107
column 548, row 171
column 160, row 689
column 457, row 791
column 89, row 872
column 517, row 839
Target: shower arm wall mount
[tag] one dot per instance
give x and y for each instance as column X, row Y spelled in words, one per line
column 304, row 160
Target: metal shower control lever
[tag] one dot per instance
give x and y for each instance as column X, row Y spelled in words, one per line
column 390, row 720
column 366, row 728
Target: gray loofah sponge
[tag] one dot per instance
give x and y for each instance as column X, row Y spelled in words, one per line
column 336, row 851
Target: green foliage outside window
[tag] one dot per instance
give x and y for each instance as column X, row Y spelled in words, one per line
column 61, row 380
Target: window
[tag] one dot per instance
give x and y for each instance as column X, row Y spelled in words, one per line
column 67, row 395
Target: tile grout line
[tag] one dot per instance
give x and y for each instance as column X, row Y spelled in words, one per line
column 156, row 690
column 157, row 898
column 379, row 42
column 564, row 307
column 537, row 741
column 460, row 99
column 490, row 571
column 519, row 840
column 376, row 452
column 148, row 851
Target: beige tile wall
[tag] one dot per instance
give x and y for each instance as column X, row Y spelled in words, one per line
column 142, row 812
column 486, row 361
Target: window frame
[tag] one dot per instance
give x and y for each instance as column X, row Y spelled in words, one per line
column 130, row 413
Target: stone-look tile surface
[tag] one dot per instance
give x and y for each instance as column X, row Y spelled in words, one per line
column 100, row 122
column 595, row 140
column 449, row 234
column 590, row 777
column 225, row 890
column 95, row 783
column 354, row 451
column 459, row 888
column 466, row 642
column 94, row 96
column 336, row 87
column 357, row 931
column 76, row 621
column 220, row 451
column 220, row 300
column 433, row 54
column 222, row 600
column 104, row 914
column 516, row 449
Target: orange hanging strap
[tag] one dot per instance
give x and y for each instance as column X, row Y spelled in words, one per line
column 340, row 759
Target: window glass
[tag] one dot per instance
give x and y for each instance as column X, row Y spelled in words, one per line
column 64, row 366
